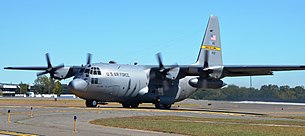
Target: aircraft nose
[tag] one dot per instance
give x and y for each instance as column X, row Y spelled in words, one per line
column 78, row 85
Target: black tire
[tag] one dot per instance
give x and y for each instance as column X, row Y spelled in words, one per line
column 158, row 105
column 128, row 105
column 135, row 105
column 167, row 106
column 91, row 103
column 125, row 105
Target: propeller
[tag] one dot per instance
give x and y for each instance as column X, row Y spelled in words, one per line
column 166, row 72
column 50, row 69
column 162, row 69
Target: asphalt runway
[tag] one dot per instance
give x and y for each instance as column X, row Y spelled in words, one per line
column 48, row 120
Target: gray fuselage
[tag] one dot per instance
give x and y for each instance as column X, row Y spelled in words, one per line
column 125, row 83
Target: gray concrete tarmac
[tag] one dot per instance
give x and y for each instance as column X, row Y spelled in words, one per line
column 59, row 120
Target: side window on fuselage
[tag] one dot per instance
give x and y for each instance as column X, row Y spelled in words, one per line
column 94, row 81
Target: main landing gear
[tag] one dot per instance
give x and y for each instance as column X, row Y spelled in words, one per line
column 128, row 105
column 158, row 105
column 91, row 103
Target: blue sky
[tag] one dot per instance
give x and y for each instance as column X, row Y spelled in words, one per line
column 260, row 32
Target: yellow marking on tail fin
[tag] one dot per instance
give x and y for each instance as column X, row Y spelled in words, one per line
column 211, row 47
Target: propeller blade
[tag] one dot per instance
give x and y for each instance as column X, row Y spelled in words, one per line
column 161, row 66
column 48, row 60
column 89, row 58
column 42, row 73
column 173, row 66
column 59, row 66
column 206, row 59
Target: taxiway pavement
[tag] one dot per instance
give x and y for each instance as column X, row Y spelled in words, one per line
column 59, row 120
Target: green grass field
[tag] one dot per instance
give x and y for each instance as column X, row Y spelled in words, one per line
column 207, row 126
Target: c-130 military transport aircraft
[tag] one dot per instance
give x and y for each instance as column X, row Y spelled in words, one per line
column 161, row 85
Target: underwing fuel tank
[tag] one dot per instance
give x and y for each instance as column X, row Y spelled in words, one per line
column 206, row 83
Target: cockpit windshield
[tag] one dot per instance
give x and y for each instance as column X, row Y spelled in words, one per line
column 94, row 71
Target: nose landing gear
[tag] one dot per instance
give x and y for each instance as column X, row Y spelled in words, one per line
column 91, row 103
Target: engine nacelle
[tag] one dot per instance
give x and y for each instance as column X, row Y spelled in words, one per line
column 65, row 72
column 206, row 84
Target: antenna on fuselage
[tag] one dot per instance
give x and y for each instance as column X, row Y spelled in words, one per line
column 112, row 62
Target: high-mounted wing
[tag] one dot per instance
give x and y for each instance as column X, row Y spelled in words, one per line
column 26, row 68
column 235, row 70
column 232, row 71
column 57, row 72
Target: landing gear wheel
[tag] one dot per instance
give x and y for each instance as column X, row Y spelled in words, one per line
column 135, row 105
column 91, row 103
column 128, row 105
column 125, row 105
column 167, row 106
column 158, row 105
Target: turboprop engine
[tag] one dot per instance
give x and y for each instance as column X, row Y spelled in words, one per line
column 206, row 83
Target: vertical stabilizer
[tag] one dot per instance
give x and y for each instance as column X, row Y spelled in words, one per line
column 210, row 50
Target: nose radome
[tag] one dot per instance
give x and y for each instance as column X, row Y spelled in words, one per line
column 78, row 85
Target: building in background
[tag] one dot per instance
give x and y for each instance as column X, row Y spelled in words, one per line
column 65, row 87
column 9, row 90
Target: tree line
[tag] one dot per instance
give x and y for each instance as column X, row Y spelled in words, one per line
column 265, row 93
column 42, row 85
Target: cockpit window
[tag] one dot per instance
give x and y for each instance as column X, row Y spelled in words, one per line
column 95, row 71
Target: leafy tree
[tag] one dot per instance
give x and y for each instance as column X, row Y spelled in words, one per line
column 300, row 92
column 44, row 85
column 269, row 91
column 57, row 88
column 265, row 93
column 23, row 88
